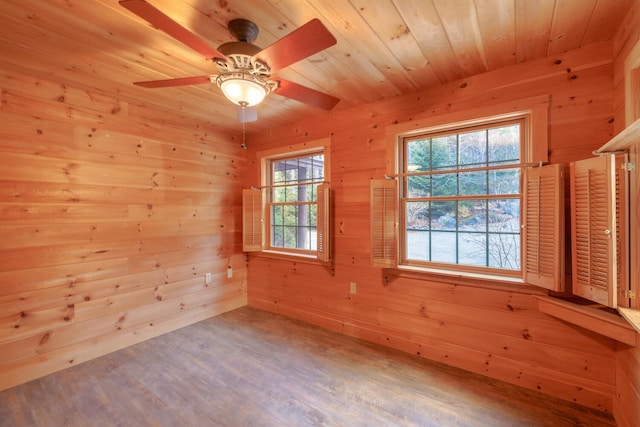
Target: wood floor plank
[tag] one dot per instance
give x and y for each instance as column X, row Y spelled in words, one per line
column 252, row 368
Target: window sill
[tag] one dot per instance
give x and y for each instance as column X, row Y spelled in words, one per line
column 593, row 317
column 287, row 256
column 491, row 281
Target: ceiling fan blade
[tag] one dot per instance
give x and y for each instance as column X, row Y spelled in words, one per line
column 250, row 114
column 162, row 22
column 311, row 38
column 175, row 82
column 306, row 95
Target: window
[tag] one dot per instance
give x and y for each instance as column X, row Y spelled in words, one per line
column 460, row 192
column 292, row 201
column 466, row 199
column 288, row 214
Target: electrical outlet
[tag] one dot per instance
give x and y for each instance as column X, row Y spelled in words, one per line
column 229, row 272
column 207, row 278
column 352, row 287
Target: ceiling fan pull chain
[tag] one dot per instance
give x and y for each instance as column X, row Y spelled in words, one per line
column 244, row 144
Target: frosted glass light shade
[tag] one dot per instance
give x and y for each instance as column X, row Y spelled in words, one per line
column 243, row 89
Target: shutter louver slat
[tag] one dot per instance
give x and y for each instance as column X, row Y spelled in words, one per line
column 384, row 207
column 543, row 235
column 251, row 220
column 532, row 240
column 621, row 219
column 323, row 224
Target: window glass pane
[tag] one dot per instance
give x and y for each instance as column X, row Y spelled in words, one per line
column 472, row 215
column 317, row 174
column 419, row 186
column 472, row 249
column 417, row 215
column 313, row 217
column 303, row 215
column 305, row 170
column 445, row 184
column 277, row 236
column 304, row 193
column 504, row 144
column 290, row 237
column 291, row 193
column 504, row 181
column 444, row 216
column 291, row 171
column 290, row 213
column 318, row 167
column 473, row 148
column 304, row 238
column 504, row 250
column 276, row 215
column 504, row 215
column 473, row 183
column 504, row 237
column 444, row 152
column 418, row 155
column 443, row 247
column 278, row 194
column 278, row 174
column 472, row 240
column 418, row 244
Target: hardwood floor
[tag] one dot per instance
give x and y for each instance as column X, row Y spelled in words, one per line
column 252, row 368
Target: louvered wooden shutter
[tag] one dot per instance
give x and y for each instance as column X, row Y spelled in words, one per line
column 251, row 220
column 323, row 215
column 593, row 238
column 622, row 227
column 384, row 208
column 543, row 227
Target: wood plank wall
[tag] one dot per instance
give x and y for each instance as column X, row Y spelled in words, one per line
column 626, row 408
column 627, row 403
column 495, row 331
column 111, row 213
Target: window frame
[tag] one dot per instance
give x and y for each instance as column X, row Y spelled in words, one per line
column 534, row 111
column 404, row 197
column 264, row 159
column 269, row 202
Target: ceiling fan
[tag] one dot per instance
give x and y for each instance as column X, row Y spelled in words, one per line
column 244, row 69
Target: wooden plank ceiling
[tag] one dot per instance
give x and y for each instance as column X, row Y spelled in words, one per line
column 385, row 47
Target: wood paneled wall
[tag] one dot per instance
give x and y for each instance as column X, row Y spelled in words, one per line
column 111, row 213
column 493, row 330
column 626, row 407
column 627, row 402
column 625, row 41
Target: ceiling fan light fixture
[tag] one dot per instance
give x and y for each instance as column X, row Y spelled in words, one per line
column 243, row 89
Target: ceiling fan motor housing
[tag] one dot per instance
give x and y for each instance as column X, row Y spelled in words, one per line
column 243, row 30
column 240, row 53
